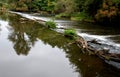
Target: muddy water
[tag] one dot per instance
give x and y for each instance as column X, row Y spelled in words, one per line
column 28, row 49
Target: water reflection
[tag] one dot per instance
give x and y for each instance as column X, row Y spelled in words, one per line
column 0, row 27
column 4, row 15
column 87, row 66
column 24, row 35
column 90, row 66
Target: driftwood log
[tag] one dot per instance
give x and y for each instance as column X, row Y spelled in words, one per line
column 103, row 54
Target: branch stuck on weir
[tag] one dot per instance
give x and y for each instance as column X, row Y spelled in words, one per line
column 103, row 53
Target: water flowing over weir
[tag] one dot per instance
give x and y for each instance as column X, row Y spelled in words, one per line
column 107, row 36
column 28, row 49
column 109, row 40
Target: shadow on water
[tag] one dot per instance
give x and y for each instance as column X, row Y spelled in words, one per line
column 24, row 35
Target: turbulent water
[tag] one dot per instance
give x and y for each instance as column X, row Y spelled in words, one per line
column 28, row 49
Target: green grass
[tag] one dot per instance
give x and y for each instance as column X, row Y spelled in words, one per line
column 63, row 15
column 50, row 24
column 78, row 16
column 71, row 33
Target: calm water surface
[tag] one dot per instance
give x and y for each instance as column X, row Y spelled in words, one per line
column 28, row 49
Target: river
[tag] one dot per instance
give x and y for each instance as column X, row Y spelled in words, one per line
column 28, row 49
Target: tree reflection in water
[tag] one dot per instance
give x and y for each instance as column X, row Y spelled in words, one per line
column 3, row 16
column 23, row 35
column 21, row 45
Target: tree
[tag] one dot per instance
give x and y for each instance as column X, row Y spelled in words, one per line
column 109, row 12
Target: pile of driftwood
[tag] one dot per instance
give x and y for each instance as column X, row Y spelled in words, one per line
column 103, row 53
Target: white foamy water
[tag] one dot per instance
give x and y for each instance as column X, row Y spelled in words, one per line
column 29, row 16
column 103, row 40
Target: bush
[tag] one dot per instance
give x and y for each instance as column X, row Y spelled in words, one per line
column 71, row 33
column 51, row 24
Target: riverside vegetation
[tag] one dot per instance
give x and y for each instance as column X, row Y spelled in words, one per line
column 50, row 24
column 71, row 33
column 99, row 11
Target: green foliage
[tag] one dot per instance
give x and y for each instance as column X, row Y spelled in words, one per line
column 74, row 9
column 71, row 33
column 65, row 6
column 50, row 24
column 78, row 16
column 3, row 6
column 109, row 12
column 63, row 15
column 32, row 5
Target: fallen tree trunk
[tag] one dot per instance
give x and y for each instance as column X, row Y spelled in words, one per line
column 103, row 54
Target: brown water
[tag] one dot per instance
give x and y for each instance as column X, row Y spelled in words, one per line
column 28, row 49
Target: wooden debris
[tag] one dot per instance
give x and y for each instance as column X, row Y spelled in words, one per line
column 103, row 53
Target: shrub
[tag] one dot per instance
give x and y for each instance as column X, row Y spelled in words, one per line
column 51, row 24
column 71, row 33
